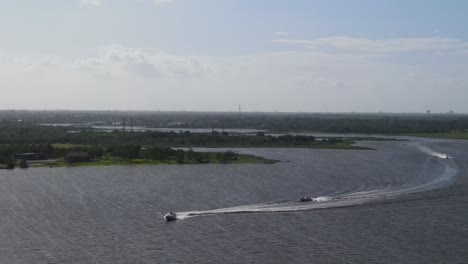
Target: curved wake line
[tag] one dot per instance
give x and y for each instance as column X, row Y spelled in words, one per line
column 429, row 151
column 345, row 200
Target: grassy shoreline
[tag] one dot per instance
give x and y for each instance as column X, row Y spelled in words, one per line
column 316, row 145
column 241, row 159
column 459, row 135
column 187, row 157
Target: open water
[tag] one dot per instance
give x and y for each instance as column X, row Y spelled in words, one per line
column 401, row 203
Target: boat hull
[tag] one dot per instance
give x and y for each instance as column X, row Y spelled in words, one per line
column 170, row 217
column 305, row 199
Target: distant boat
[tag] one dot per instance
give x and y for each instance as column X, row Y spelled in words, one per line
column 305, row 199
column 170, row 217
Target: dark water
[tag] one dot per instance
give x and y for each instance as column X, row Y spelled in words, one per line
column 403, row 203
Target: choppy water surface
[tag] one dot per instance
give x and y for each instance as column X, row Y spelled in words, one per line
column 403, row 203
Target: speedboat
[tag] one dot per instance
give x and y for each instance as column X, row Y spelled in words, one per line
column 447, row 156
column 170, row 216
column 305, row 199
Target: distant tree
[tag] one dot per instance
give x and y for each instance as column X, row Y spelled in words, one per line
column 206, row 157
column 11, row 164
column 227, row 156
column 125, row 151
column 152, row 153
column 180, row 155
column 190, row 154
column 95, row 152
column 23, row 164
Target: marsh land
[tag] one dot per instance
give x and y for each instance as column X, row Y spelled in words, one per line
column 94, row 138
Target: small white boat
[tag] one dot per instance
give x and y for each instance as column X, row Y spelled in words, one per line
column 170, row 216
column 305, row 199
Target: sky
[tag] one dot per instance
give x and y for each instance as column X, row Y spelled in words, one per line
column 214, row 55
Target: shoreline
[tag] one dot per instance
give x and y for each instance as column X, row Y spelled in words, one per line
column 242, row 159
column 201, row 157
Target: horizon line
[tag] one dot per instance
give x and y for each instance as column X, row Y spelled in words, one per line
column 234, row 111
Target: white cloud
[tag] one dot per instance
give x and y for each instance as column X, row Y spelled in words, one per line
column 98, row 3
column 119, row 77
column 116, row 59
column 92, row 2
column 281, row 33
column 343, row 43
column 160, row 3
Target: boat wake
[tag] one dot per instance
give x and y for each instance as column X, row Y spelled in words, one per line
column 429, row 151
column 444, row 178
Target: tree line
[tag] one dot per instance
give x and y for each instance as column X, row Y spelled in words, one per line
column 384, row 123
column 123, row 151
column 24, row 135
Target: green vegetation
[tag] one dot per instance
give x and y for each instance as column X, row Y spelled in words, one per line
column 66, row 145
column 49, row 139
column 6, row 162
column 381, row 123
column 20, row 133
column 452, row 135
column 208, row 157
column 150, row 147
column 123, row 155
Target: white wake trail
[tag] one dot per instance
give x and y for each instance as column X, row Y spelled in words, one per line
column 445, row 178
column 429, row 151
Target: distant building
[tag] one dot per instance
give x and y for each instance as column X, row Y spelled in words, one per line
column 31, row 156
column 73, row 157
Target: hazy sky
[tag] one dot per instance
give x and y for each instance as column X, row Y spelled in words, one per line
column 203, row 55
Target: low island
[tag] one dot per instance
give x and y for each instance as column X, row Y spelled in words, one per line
column 49, row 146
